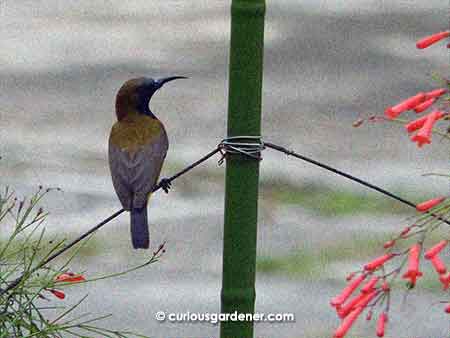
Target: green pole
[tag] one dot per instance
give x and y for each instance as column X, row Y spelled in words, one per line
column 242, row 172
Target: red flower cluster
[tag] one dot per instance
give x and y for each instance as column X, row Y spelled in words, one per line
column 67, row 277
column 350, row 314
column 421, row 102
column 372, row 280
column 424, row 124
column 376, row 288
column 350, row 309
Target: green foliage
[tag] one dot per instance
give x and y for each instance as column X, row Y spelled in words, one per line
column 29, row 286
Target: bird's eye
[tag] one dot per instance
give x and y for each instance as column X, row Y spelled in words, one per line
column 157, row 84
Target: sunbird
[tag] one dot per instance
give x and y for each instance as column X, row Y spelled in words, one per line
column 138, row 145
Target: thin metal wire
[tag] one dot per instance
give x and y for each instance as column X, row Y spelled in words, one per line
column 16, row 281
column 235, row 145
column 351, row 177
column 230, row 145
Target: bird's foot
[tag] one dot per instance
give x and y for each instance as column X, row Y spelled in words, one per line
column 165, row 184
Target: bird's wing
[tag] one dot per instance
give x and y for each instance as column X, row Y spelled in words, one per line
column 148, row 163
column 136, row 154
column 119, row 167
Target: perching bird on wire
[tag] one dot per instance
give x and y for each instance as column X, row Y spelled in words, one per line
column 137, row 148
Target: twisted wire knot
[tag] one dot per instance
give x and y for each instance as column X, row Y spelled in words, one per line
column 241, row 145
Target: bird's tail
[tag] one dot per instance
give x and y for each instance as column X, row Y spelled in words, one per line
column 139, row 228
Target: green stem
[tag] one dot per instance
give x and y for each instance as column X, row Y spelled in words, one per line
column 242, row 172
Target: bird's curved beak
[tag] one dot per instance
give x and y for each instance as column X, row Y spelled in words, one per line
column 164, row 80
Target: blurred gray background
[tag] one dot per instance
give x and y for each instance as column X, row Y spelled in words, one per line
column 326, row 64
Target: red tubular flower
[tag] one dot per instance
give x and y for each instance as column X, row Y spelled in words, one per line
column 424, row 134
column 419, row 123
column 369, row 315
column 348, row 290
column 351, row 305
column 381, row 324
column 413, row 264
column 438, row 264
column 445, row 280
column 69, row 277
column 422, row 138
column 385, row 286
column 370, row 285
column 409, row 103
column 390, row 114
column 57, row 293
column 427, row 205
column 377, row 262
column 424, row 105
column 433, row 251
column 429, row 40
column 435, row 93
column 348, row 321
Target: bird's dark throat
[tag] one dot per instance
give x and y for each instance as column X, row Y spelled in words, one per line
column 143, row 107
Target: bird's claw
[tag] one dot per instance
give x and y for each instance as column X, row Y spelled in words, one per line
column 165, row 185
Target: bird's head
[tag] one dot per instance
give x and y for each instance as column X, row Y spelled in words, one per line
column 135, row 94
